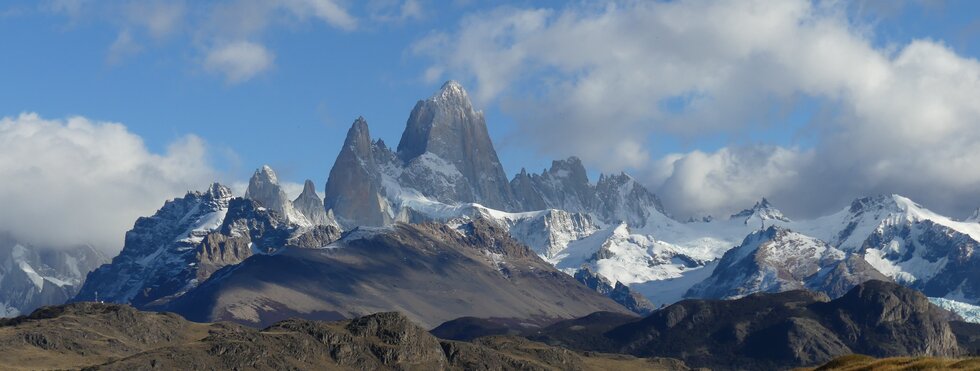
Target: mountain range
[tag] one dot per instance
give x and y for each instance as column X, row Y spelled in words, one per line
column 445, row 170
column 433, row 229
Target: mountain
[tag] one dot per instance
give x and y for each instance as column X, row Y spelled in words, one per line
column 117, row 337
column 353, row 191
column 264, row 189
column 776, row 331
column 310, row 205
column 31, row 277
column 777, row 259
column 447, row 135
column 189, row 239
column 565, row 186
column 908, row 243
column 431, row 272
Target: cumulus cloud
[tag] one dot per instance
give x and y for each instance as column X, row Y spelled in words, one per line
column 606, row 78
column 76, row 181
column 239, row 61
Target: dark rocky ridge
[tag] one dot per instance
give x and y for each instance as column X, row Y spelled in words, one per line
column 771, row 331
column 619, row 293
column 118, row 337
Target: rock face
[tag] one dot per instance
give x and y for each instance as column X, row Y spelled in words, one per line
column 116, row 337
column 311, row 206
column 188, row 240
column 31, row 277
column 565, row 186
column 353, row 190
column 622, row 198
column 264, row 189
column 157, row 254
column 445, row 131
column 777, row 331
column 619, row 293
column 431, row 272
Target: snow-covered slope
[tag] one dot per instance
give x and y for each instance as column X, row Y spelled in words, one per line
column 188, row 240
column 31, row 277
column 969, row 312
column 771, row 260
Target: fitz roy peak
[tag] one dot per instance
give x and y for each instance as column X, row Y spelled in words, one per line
column 446, row 126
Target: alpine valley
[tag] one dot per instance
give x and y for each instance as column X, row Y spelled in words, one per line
column 561, row 271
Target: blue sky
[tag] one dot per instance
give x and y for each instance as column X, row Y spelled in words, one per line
column 712, row 104
column 294, row 115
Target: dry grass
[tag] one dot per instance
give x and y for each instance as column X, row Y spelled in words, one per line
column 857, row 362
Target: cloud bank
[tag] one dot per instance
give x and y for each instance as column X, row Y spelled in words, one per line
column 607, row 79
column 73, row 181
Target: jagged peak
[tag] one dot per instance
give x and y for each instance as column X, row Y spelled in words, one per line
column 570, row 167
column 359, row 129
column 218, row 191
column 265, row 173
column 308, row 188
column 451, row 89
column 763, row 210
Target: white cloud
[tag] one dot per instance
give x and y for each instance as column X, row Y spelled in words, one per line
column 239, row 61
column 606, row 78
column 213, row 30
column 77, row 181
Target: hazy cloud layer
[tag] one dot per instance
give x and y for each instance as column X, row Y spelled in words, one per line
column 607, row 78
column 75, row 181
column 226, row 34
